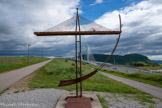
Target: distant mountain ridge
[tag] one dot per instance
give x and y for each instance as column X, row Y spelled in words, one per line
column 157, row 61
column 122, row 60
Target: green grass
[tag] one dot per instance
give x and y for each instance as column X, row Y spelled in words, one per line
column 102, row 101
column 50, row 75
column 10, row 63
column 1, row 93
column 155, row 79
column 145, row 98
column 16, row 91
column 150, row 67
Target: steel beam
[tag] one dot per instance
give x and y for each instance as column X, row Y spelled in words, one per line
column 77, row 33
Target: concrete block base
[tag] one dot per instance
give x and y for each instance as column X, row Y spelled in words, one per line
column 95, row 103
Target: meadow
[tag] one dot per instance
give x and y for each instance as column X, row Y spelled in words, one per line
column 11, row 63
column 50, row 75
column 151, row 67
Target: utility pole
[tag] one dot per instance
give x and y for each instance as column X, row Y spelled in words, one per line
column 114, row 59
column 41, row 54
column 28, row 53
column 87, row 52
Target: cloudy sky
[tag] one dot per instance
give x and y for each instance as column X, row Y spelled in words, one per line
column 141, row 19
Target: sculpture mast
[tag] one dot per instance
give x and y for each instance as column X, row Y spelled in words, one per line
column 76, row 55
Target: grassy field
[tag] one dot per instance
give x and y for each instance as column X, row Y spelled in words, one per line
column 50, row 75
column 155, row 80
column 10, row 63
column 151, row 67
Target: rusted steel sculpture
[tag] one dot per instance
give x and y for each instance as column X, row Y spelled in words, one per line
column 77, row 33
column 80, row 101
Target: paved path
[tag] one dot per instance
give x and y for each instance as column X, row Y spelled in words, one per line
column 155, row 91
column 9, row 78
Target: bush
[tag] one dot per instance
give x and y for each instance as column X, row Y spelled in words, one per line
column 23, row 60
column 137, row 64
column 156, row 77
column 66, row 60
column 136, row 75
column 112, row 71
column 104, row 70
column 73, row 64
column 50, row 73
column 83, row 63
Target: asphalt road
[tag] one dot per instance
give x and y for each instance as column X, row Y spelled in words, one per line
column 154, row 91
column 9, row 78
column 125, row 69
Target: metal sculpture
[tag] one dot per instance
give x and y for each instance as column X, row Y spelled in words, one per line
column 79, row 100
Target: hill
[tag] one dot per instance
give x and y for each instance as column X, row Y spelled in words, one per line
column 123, row 60
column 157, row 61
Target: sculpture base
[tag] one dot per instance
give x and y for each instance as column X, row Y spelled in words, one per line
column 84, row 102
column 78, row 102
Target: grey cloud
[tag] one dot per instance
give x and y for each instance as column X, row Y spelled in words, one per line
column 142, row 31
column 20, row 18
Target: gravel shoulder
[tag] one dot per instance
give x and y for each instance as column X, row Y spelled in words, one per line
column 115, row 100
column 39, row 98
column 48, row 98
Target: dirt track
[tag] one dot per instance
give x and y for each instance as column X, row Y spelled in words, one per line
column 9, row 78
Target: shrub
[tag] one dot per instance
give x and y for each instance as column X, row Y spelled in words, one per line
column 137, row 64
column 104, row 70
column 136, row 75
column 84, row 63
column 23, row 60
column 50, row 73
column 73, row 64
